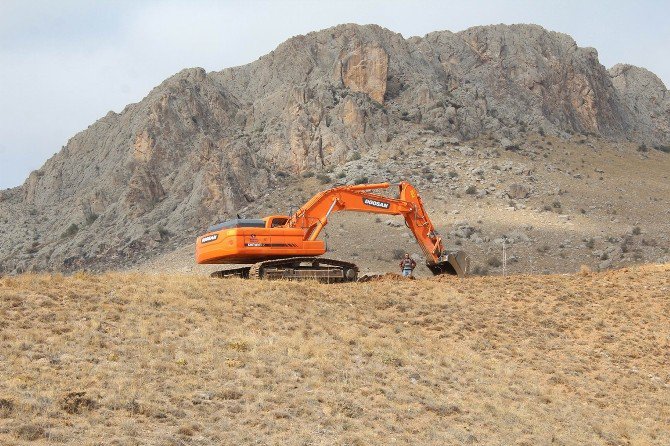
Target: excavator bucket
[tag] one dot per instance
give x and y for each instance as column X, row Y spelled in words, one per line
column 454, row 263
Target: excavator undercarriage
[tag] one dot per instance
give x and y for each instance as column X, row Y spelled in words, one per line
column 296, row 268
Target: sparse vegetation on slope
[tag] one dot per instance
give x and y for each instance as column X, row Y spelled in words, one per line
column 135, row 359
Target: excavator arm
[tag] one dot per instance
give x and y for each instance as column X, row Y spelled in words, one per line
column 313, row 217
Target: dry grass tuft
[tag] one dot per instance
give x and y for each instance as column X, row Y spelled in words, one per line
column 135, row 359
column 77, row 403
column 30, row 432
column 6, row 407
column 584, row 270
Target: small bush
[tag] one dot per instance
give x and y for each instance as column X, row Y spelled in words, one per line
column 355, row 156
column 77, row 403
column 6, row 407
column 494, row 262
column 650, row 242
column 30, row 432
column 70, row 231
column 341, row 175
column 543, row 249
column 642, row 148
column 590, row 243
column 471, row 190
column 231, row 394
column 91, row 218
column 186, row 431
column 664, row 149
column 453, row 174
column 361, row 180
column 556, row 204
column 164, row 233
column 637, row 230
column 398, row 254
column 308, row 174
column 480, row 270
column 323, row 178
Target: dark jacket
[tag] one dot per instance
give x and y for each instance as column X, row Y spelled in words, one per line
column 407, row 264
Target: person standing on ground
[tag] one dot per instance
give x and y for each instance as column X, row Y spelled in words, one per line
column 407, row 265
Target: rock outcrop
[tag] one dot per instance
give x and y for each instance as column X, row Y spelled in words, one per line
column 365, row 70
column 202, row 145
column 647, row 102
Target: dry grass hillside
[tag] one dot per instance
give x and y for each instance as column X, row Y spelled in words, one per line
column 125, row 359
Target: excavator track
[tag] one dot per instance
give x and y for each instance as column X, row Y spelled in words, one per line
column 305, row 268
column 235, row 272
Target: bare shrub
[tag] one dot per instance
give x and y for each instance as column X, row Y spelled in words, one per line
column 494, row 262
column 77, row 403
column 6, row 407
column 323, row 178
column 30, row 432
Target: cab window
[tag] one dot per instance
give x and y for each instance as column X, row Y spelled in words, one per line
column 278, row 221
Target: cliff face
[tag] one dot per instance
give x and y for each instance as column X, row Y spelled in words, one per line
column 646, row 100
column 202, row 145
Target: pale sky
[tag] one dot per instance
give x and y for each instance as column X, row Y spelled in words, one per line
column 65, row 64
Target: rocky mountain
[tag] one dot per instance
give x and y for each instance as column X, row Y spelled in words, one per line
column 200, row 146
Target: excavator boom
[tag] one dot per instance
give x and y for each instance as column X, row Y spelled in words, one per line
column 277, row 237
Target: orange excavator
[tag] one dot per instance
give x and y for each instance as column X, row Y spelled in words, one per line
column 286, row 246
